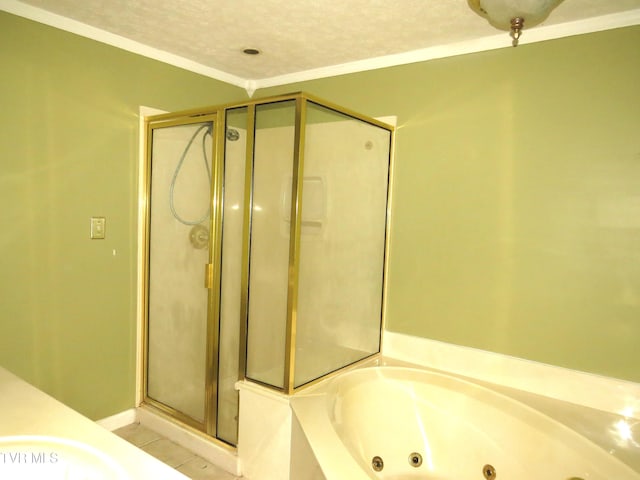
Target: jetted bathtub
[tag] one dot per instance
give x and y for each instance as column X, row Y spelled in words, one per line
column 402, row 423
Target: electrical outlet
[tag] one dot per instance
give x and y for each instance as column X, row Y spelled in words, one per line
column 97, row 228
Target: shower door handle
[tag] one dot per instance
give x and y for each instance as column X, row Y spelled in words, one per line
column 208, row 276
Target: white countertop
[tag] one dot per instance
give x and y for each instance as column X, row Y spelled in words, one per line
column 25, row 410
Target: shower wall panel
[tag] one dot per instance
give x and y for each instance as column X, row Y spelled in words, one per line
column 231, row 285
column 342, row 244
column 269, row 264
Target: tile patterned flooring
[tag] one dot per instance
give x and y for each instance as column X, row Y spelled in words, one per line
column 186, row 462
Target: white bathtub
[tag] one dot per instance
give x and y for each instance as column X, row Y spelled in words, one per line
column 460, row 430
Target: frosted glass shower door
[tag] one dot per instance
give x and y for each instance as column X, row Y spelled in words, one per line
column 179, row 217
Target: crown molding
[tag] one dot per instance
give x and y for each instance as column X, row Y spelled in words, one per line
column 492, row 42
column 63, row 23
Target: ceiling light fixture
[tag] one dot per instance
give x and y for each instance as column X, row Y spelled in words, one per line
column 512, row 15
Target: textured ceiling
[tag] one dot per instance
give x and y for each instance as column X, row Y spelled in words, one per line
column 299, row 35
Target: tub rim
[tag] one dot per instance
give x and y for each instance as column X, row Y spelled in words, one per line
column 321, row 398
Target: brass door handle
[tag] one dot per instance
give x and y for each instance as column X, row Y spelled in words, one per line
column 208, row 275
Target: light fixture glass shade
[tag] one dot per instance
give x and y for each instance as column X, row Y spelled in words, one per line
column 499, row 13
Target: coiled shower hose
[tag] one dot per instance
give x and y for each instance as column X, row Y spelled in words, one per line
column 177, row 172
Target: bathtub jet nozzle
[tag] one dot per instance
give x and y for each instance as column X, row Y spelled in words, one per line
column 377, row 464
column 489, row 472
column 415, row 459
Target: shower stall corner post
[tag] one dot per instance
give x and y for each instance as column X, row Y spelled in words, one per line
column 294, row 244
column 246, row 240
column 213, row 274
column 387, row 233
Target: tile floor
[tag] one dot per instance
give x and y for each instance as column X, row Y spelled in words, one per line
column 186, row 462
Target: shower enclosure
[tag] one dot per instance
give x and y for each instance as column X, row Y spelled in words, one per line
column 266, row 234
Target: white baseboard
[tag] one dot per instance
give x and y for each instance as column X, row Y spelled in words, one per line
column 119, row 420
column 590, row 390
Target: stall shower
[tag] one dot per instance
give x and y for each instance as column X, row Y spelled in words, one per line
column 266, row 240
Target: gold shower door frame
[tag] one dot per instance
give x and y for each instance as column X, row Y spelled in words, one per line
column 212, row 271
column 210, row 275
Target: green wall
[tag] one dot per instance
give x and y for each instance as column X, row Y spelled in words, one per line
column 69, row 151
column 515, row 223
column 516, row 209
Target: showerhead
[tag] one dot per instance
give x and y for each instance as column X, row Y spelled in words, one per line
column 232, row 134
